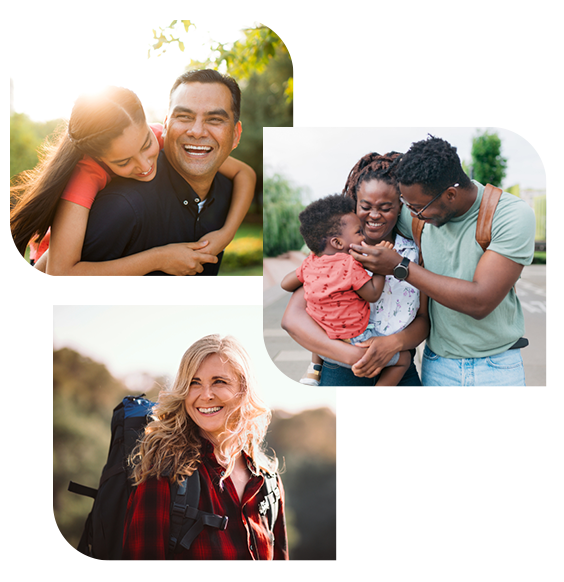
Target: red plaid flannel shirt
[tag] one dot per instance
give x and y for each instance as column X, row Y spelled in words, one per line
column 247, row 536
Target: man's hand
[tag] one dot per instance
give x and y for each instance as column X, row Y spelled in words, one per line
column 378, row 259
column 185, row 258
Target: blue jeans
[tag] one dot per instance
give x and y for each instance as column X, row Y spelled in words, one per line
column 505, row 369
column 335, row 375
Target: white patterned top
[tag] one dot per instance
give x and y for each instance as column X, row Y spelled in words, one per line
column 399, row 302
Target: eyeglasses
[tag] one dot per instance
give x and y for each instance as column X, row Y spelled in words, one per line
column 419, row 213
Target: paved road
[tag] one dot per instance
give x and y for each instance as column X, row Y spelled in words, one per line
column 292, row 359
column 531, row 290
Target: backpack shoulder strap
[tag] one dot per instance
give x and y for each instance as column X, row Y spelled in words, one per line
column 417, row 229
column 186, row 520
column 182, row 494
column 490, row 198
column 271, row 498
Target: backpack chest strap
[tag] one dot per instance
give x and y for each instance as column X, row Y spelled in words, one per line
column 186, row 520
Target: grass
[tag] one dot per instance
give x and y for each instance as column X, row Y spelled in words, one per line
column 243, row 256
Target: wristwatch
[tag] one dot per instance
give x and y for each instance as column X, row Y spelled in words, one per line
column 402, row 270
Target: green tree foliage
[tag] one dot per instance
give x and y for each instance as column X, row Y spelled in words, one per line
column 25, row 138
column 488, row 164
column 242, row 59
column 283, row 203
column 263, row 105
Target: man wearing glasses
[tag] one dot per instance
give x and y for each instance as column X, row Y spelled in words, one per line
column 476, row 318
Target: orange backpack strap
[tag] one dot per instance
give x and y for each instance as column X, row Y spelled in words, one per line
column 490, row 198
column 488, row 205
column 416, row 229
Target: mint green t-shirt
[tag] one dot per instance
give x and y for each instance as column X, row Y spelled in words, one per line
column 452, row 250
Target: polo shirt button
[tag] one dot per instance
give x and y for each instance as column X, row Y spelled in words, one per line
column 185, row 202
column 196, row 200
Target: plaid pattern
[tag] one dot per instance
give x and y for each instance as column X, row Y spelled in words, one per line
column 247, row 536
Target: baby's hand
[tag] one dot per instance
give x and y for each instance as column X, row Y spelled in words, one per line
column 385, row 244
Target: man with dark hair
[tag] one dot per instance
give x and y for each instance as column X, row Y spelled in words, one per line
column 187, row 198
column 476, row 318
column 211, row 76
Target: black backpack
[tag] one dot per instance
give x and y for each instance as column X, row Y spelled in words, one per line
column 102, row 537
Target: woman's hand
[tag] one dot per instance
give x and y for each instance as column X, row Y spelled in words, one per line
column 379, row 352
column 217, row 241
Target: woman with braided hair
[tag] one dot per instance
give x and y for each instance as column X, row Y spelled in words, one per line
column 107, row 136
column 400, row 315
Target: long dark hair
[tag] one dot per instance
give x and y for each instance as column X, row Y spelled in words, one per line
column 95, row 121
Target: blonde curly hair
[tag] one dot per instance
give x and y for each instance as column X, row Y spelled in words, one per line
column 171, row 444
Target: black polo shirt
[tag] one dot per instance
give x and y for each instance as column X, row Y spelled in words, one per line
column 129, row 216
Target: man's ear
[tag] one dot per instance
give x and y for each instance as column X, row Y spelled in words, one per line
column 237, row 134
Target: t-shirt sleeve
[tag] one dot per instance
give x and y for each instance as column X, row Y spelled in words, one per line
column 158, row 131
column 87, row 179
column 299, row 273
column 359, row 276
column 300, row 270
column 513, row 230
column 404, row 222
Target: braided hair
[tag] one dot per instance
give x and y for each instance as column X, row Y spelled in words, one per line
column 372, row 166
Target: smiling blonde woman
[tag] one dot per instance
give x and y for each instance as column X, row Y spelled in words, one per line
column 212, row 421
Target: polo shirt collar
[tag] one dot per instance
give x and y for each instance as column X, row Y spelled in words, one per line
column 182, row 189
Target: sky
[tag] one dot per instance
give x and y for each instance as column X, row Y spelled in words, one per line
column 321, row 158
column 134, row 339
column 118, row 57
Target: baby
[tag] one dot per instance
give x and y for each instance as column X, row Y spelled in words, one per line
column 337, row 288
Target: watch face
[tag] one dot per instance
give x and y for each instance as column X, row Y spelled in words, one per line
column 400, row 272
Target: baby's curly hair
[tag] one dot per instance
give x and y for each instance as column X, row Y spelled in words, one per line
column 321, row 220
column 433, row 164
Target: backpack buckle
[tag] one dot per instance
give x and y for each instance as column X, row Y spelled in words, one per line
column 263, row 507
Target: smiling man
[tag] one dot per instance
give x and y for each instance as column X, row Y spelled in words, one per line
column 476, row 318
column 201, row 129
column 186, row 197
